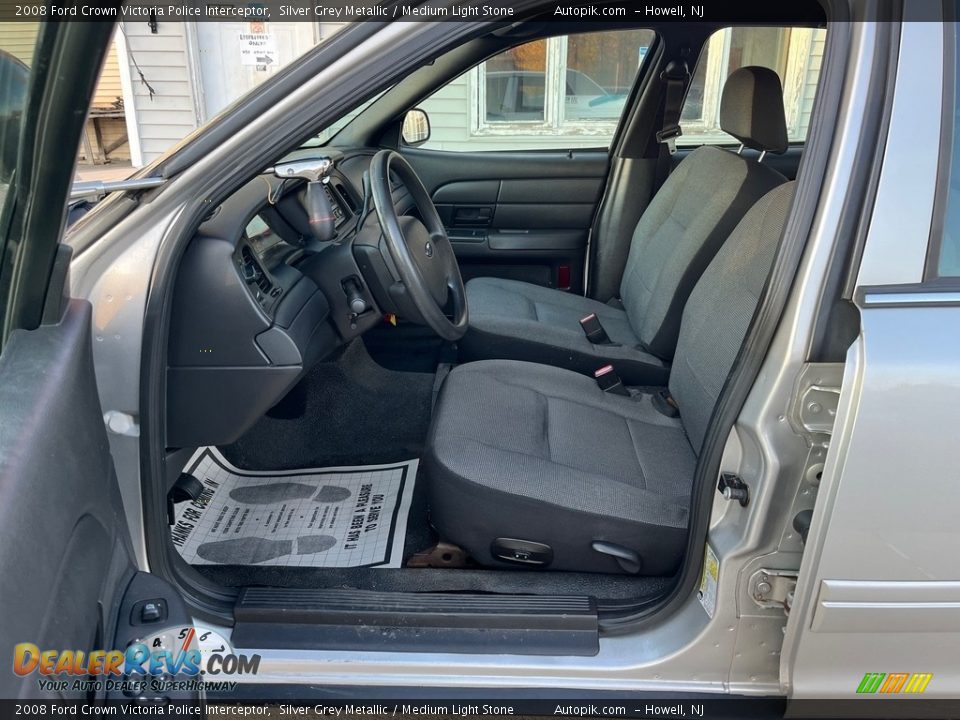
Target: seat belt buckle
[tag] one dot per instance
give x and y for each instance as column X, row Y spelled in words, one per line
column 608, row 381
column 668, row 136
column 594, row 330
column 665, row 404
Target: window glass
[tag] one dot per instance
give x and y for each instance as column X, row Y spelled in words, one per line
column 600, row 71
column 17, row 42
column 795, row 54
column 515, row 84
column 325, row 135
column 561, row 92
column 948, row 260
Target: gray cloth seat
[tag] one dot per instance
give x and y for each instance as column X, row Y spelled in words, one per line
column 539, row 454
column 679, row 233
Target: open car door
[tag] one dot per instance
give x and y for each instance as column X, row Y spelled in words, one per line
column 70, row 582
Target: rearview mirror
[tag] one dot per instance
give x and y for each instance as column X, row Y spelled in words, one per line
column 416, row 127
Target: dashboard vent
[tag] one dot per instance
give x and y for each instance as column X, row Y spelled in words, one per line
column 252, row 272
column 334, row 205
column 345, row 196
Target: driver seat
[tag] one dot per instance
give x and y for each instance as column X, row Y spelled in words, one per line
column 536, row 466
column 679, row 233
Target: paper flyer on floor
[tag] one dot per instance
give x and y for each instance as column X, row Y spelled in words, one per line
column 318, row 517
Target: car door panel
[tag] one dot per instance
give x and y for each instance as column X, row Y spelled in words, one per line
column 67, row 549
column 517, row 215
column 66, row 559
column 558, row 203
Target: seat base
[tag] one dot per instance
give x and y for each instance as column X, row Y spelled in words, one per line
column 539, row 454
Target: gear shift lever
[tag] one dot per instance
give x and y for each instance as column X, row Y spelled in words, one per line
column 319, row 210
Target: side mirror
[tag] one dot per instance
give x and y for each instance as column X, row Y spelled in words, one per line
column 416, row 128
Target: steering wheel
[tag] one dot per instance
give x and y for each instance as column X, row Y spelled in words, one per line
column 421, row 251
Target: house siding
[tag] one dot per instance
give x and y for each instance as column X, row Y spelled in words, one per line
column 172, row 113
column 108, row 90
column 19, row 39
column 809, row 90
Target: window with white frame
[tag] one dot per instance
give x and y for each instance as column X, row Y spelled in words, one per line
column 794, row 53
column 559, row 92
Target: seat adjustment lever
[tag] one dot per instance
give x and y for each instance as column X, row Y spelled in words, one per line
column 628, row 560
column 524, row 552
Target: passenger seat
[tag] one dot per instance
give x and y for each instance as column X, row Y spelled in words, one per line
column 538, row 467
column 681, row 230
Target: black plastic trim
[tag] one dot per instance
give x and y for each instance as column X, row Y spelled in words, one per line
column 146, row 588
column 947, row 140
column 34, row 212
column 537, row 240
column 838, row 322
column 300, row 619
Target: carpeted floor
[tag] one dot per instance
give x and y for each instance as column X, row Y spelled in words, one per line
column 349, row 411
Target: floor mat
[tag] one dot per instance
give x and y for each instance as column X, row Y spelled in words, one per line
column 343, row 517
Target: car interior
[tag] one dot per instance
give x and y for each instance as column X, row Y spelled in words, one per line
column 414, row 356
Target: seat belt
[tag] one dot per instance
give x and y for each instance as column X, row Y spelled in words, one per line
column 594, row 330
column 609, row 381
column 674, row 76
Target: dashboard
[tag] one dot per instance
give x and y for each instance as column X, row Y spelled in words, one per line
column 258, row 301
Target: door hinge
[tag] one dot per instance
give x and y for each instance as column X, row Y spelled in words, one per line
column 121, row 423
column 773, row 588
column 816, row 398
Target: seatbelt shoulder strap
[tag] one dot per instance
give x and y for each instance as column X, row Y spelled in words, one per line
column 674, row 77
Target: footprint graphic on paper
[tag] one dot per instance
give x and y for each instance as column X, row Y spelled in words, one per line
column 284, row 492
column 253, row 550
column 332, row 494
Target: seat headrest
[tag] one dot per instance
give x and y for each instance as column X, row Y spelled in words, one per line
column 751, row 109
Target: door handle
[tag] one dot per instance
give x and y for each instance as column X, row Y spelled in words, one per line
column 473, row 215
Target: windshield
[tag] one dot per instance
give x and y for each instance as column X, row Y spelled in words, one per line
column 328, row 133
